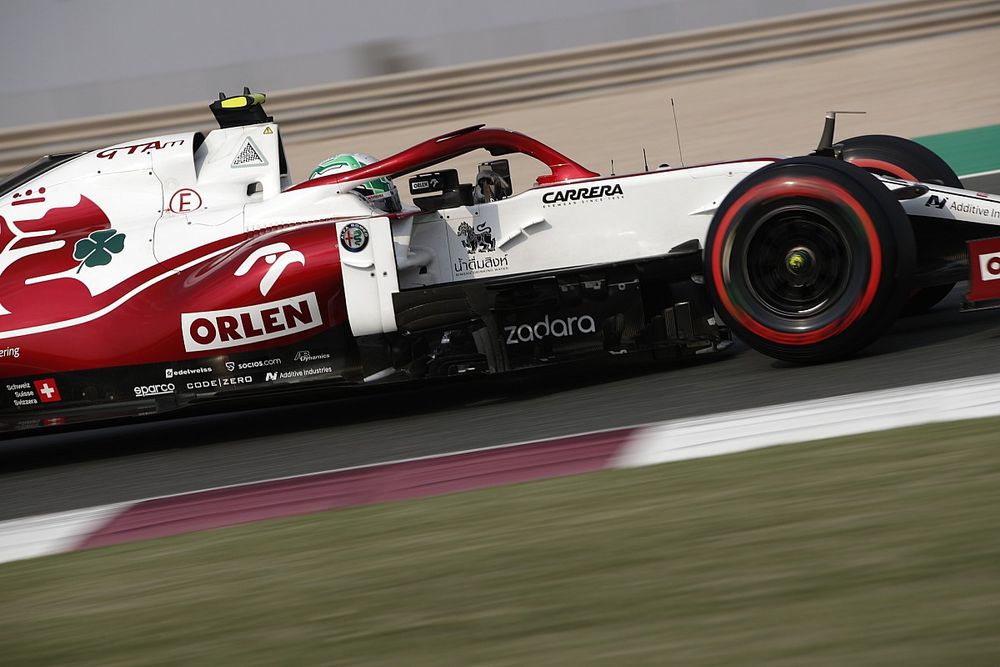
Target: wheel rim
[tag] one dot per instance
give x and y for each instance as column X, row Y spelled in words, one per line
column 799, row 262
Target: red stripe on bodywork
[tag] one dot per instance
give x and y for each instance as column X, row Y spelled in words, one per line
column 882, row 167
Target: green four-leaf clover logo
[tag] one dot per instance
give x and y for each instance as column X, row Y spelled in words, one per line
column 96, row 249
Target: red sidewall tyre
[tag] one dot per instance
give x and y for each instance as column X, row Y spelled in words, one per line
column 902, row 158
column 809, row 259
column 895, row 156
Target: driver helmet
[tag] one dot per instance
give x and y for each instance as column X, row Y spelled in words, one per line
column 379, row 192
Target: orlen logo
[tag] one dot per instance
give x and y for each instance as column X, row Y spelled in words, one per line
column 989, row 266
column 153, row 389
column 220, row 329
column 526, row 333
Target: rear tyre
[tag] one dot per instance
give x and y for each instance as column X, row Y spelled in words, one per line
column 902, row 158
column 809, row 259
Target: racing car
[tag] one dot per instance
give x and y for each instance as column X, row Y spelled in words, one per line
column 164, row 272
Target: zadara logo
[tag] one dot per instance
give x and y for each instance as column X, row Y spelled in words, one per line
column 578, row 194
column 234, row 327
column 558, row 328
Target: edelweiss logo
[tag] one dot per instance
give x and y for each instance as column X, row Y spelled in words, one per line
column 558, row 328
column 171, row 372
column 577, row 194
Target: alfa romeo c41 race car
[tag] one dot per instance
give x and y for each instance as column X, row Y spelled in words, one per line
column 163, row 272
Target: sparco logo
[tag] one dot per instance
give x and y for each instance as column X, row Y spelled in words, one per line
column 218, row 329
column 526, row 333
column 154, row 389
column 594, row 192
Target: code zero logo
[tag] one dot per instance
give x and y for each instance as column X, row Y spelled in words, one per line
column 354, row 237
column 235, row 327
column 989, row 266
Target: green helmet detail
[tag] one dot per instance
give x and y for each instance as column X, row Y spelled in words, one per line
column 349, row 162
column 379, row 192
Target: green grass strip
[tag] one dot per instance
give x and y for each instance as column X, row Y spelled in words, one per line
column 880, row 550
column 969, row 151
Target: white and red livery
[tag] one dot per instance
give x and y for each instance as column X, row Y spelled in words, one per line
column 157, row 273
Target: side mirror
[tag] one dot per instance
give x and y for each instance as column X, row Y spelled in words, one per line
column 493, row 182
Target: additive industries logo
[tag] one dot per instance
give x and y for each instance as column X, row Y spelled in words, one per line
column 585, row 194
column 557, row 328
column 272, row 376
column 989, row 266
column 354, row 237
column 153, row 390
column 235, row 327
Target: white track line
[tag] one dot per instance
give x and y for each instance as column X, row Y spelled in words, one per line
column 52, row 533
column 744, row 430
column 676, row 440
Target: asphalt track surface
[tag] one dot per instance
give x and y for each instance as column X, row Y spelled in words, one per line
column 62, row 471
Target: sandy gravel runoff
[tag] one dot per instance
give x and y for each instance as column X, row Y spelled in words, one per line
column 910, row 88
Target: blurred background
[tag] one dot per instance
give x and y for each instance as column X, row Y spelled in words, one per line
column 70, row 58
column 593, row 79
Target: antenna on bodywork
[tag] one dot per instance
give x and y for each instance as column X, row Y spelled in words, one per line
column 645, row 162
column 677, row 131
column 825, row 146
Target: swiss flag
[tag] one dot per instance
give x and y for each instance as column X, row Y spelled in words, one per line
column 47, row 390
